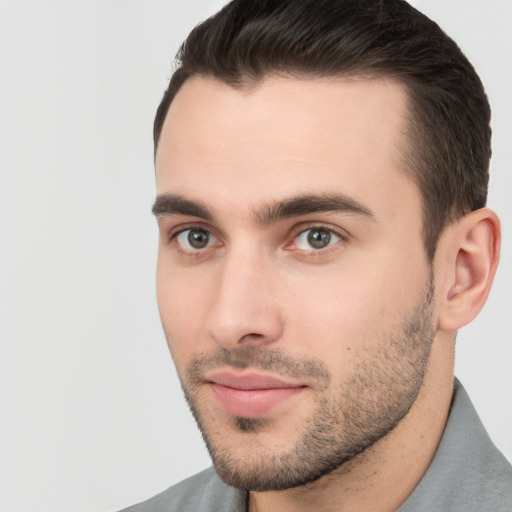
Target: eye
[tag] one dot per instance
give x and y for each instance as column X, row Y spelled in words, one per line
column 195, row 239
column 316, row 239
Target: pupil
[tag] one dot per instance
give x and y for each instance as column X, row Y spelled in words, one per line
column 198, row 238
column 319, row 238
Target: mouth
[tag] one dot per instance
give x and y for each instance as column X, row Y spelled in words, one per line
column 250, row 394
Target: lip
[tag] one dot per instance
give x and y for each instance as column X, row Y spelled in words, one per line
column 251, row 394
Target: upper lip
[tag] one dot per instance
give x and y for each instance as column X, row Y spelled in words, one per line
column 248, row 380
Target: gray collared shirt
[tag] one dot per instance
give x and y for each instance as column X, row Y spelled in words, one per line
column 468, row 474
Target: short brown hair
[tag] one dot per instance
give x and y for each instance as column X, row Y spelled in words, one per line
column 449, row 115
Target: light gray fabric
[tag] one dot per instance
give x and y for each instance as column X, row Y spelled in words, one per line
column 467, row 474
column 204, row 492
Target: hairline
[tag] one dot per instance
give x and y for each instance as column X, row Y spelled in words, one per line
column 407, row 148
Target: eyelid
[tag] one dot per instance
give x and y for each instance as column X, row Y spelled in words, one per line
column 172, row 233
column 184, row 242
column 302, row 228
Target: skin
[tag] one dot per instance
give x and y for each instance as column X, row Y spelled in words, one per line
column 259, row 287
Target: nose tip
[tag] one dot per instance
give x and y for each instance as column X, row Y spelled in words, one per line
column 244, row 311
column 245, row 330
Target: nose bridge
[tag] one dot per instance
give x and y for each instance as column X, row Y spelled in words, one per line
column 243, row 308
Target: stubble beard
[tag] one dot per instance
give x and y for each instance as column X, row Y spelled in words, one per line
column 349, row 417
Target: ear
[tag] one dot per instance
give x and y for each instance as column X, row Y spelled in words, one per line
column 469, row 252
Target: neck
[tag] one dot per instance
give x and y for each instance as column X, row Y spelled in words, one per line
column 381, row 478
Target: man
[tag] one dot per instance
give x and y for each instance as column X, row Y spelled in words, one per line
column 322, row 169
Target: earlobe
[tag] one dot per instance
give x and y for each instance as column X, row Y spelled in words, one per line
column 472, row 248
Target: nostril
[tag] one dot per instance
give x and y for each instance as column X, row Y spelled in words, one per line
column 252, row 336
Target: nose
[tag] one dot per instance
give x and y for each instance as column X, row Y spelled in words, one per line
column 245, row 310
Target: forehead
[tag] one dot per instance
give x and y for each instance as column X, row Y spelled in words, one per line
column 284, row 136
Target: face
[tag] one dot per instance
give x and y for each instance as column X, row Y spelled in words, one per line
column 292, row 283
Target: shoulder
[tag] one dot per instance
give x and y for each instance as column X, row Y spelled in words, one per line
column 199, row 493
column 468, row 473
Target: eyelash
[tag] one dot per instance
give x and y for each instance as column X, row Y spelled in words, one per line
column 301, row 230
column 174, row 234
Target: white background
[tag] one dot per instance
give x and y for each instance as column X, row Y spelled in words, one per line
column 91, row 412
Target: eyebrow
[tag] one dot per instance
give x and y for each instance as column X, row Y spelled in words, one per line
column 173, row 204
column 311, row 203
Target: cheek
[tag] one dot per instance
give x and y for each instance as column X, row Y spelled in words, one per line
column 182, row 304
column 339, row 319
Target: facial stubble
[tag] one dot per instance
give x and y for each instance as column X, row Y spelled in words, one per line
column 350, row 416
